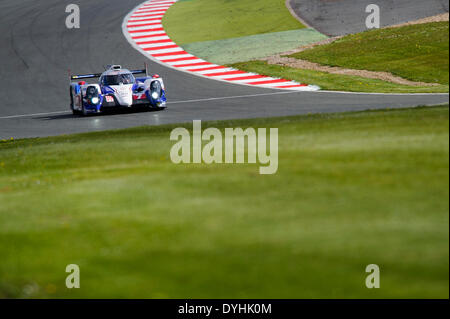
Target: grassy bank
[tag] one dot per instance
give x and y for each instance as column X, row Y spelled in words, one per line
column 351, row 190
column 205, row 20
column 328, row 81
column 416, row 52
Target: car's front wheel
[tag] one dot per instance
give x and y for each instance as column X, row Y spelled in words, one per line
column 156, row 108
column 75, row 112
column 84, row 111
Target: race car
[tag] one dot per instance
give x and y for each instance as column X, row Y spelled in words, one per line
column 117, row 87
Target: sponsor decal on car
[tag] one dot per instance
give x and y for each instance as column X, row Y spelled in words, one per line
column 139, row 96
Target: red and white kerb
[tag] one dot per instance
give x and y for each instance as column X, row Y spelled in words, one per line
column 146, row 30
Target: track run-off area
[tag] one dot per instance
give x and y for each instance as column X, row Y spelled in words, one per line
column 40, row 50
column 144, row 29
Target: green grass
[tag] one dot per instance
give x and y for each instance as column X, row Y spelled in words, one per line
column 352, row 189
column 416, row 52
column 328, row 81
column 205, row 20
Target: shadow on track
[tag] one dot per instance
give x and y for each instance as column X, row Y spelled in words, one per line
column 119, row 111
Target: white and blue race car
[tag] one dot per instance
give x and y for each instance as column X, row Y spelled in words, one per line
column 117, row 87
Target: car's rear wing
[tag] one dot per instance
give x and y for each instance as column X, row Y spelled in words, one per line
column 85, row 76
column 138, row 71
column 143, row 71
column 97, row 75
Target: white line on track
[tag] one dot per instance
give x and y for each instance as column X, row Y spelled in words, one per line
column 377, row 93
column 231, row 97
column 33, row 114
column 172, row 102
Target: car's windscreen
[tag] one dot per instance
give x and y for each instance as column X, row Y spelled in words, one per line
column 117, row 79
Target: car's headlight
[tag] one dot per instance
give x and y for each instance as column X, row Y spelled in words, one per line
column 95, row 100
column 155, row 90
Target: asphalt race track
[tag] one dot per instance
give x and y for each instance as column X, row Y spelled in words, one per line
column 37, row 50
column 339, row 17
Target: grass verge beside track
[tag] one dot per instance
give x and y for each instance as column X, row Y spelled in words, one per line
column 415, row 52
column 352, row 189
column 206, row 20
column 334, row 82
